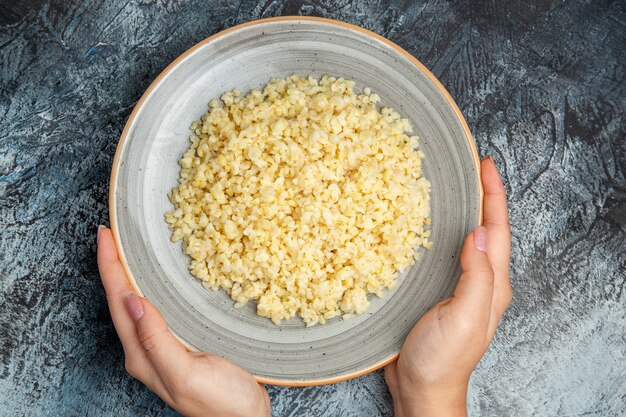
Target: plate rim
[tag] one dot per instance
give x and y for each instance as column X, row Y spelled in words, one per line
column 184, row 55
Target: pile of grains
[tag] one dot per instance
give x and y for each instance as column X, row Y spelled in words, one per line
column 302, row 196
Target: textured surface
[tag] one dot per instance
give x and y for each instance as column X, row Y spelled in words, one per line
column 148, row 169
column 541, row 85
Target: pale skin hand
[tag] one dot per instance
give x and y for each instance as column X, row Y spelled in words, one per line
column 193, row 383
column 431, row 375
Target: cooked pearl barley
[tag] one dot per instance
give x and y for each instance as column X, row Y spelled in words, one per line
column 302, row 196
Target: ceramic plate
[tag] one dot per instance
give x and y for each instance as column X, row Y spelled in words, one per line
column 145, row 169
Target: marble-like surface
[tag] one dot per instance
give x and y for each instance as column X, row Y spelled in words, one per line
column 541, row 83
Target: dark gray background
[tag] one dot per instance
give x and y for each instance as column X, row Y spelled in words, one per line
column 541, row 85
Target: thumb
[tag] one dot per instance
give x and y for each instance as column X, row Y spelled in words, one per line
column 162, row 348
column 474, row 292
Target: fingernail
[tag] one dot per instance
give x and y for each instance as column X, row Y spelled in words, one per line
column 480, row 239
column 134, row 307
column 98, row 235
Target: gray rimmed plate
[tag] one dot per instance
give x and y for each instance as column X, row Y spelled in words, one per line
column 156, row 135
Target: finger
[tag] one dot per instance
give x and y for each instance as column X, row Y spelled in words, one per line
column 474, row 292
column 166, row 354
column 495, row 195
column 496, row 221
column 117, row 289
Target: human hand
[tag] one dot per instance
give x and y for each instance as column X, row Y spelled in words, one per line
column 431, row 375
column 193, row 383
